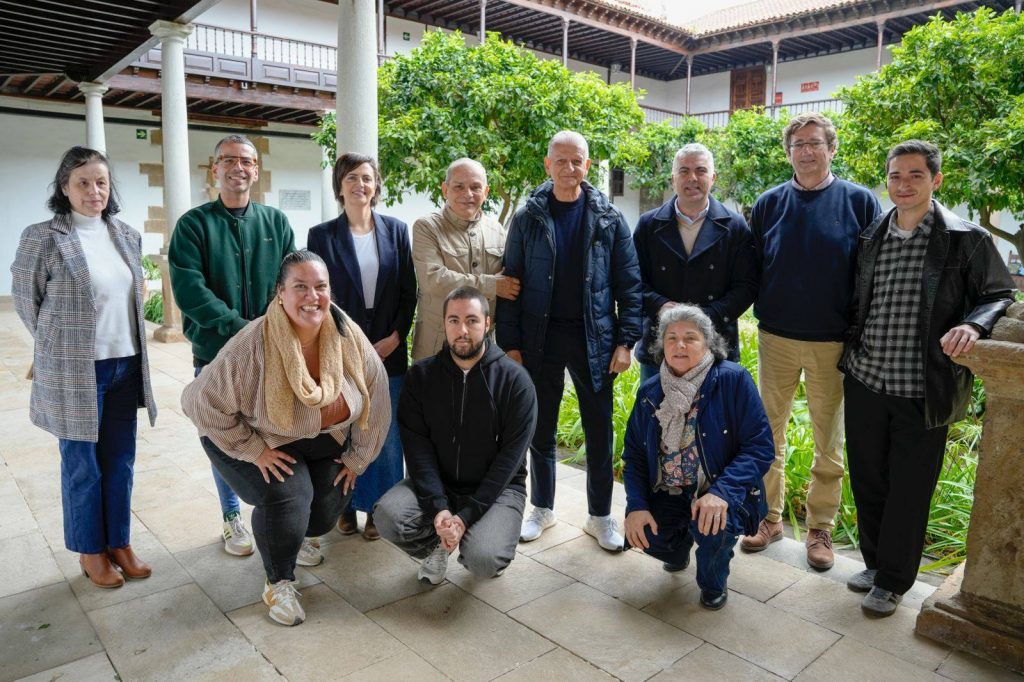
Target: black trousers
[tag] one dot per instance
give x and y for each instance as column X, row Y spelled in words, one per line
column 306, row 504
column 894, row 464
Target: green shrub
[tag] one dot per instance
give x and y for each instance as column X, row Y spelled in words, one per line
column 153, row 309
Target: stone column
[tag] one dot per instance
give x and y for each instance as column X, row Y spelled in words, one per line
column 881, row 44
column 565, row 42
column 329, row 208
column 95, row 138
column 357, row 77
column 775, row 76
column 980, row 608
column 174, row 132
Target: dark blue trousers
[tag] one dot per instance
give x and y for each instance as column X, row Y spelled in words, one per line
column 96, row 478
column 566, row 349
column 676, row 535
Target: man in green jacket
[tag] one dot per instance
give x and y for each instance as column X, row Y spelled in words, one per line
column 224, row 257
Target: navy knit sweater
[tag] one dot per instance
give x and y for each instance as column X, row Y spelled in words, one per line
column 806, row 247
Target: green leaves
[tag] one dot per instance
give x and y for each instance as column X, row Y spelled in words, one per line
column 497, row 103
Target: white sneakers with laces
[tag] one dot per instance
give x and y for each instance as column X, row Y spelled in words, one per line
column 283, row 600
column 310, row 553
column 237, row 539
column 539, row 520
column 434, row 567
column 605, row 531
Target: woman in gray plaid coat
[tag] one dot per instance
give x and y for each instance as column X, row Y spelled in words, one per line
column 78, row 287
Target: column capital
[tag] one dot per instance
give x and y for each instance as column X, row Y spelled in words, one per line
column 170, row 30
column 565, row 22
column 88, row 88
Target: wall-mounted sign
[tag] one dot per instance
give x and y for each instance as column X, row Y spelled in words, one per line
column 778, row 98
column 406, row 36
column 294, row 199
column 810, row 86
column 141, row 133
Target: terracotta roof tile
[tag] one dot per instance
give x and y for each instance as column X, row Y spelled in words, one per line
column 761, row 12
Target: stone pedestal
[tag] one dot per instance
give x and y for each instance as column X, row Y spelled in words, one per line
column 980, row 608
column 170, row 330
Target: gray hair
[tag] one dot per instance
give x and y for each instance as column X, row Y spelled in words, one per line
column 569, row 137
column 693, row 148
column 685, row 312
column 464, row 161
column 235, row 139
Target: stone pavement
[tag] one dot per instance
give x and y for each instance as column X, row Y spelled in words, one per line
column 565, row 609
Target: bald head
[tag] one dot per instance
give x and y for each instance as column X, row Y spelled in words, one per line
column 465, row 188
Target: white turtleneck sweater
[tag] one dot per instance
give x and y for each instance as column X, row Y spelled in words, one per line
column 113, row 290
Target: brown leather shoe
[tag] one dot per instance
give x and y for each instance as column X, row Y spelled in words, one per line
column 370, row 529
column 767, row 533
column 819, row 549
column 98, row 569
column 132, row 567
column 347, row 524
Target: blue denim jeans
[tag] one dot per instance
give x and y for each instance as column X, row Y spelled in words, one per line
column 96, row 478
column 385, row 471
column 228, row 498
column 676, row 535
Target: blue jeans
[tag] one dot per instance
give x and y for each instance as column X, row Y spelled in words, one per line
column 96, row 478
column 305, row 504
column 385, row 471
column 567, row 349
column 677, row 532
column 228, row 498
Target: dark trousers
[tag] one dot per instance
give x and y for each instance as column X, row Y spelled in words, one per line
column 306, row 504
column 894, row 464
column 676, row 535
column 96, row 478
column 566, row 349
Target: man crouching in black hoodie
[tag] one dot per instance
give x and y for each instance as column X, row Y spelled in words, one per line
column 466, row 416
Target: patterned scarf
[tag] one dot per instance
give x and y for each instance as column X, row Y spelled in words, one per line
column 679, row 396
column 286, row 376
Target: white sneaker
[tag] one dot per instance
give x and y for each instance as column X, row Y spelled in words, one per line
column 237, row 539
column 434, row 567
column 283, row 600
column 603, row 528
column 537, row 522
column 309, row 553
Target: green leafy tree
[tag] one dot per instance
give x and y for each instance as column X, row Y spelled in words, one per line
column 497, row 103
column 661, row 140
column 958, row 84
column 748, row 156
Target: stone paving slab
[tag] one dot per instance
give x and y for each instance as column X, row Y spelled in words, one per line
column 558, row 664
column 853, row 661
column 523, row 581
column 708, row 662
column 20, row 552
column 95, row 668
column 405, row 666
column 607, row 632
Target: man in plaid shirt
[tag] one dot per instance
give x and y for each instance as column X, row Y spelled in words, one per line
column 929, row 285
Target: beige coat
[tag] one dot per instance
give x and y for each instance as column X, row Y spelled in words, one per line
column 449, row 252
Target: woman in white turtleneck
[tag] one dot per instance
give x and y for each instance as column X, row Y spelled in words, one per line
column 77, row 285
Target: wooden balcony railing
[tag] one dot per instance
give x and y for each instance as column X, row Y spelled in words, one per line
column 717, row 119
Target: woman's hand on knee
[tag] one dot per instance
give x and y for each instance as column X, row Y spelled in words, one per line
column 635, row 523
column 274, row 462
column 711, row 513
column 347, row 478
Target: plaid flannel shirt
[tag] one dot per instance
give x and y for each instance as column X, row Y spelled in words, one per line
column 889, row 358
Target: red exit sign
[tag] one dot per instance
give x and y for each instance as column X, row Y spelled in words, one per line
column 810, row 86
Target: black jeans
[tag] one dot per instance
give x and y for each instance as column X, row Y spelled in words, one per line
column 566, row 348
column 306, row 504
column 894, row 464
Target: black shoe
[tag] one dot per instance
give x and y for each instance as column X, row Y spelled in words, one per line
column 675, row 568
column 713, row 601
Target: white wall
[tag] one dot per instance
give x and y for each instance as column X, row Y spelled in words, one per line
column 831, row 72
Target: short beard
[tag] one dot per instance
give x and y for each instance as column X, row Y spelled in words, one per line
column 474, row 351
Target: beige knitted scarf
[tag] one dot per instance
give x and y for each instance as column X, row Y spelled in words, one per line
column 680, row 392
column 286, row 376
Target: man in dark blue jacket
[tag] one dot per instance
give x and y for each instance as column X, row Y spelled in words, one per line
column 579, row 309
column 693, row 249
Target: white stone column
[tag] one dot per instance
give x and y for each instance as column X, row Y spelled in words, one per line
column 174, row 129
column 95, row 137
column 329, row 208
column 357, row 77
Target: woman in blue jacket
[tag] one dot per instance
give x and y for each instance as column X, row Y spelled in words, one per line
column 697, row 446
column 369, row 261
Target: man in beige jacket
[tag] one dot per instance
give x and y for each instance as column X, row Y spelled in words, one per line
column 455, row 247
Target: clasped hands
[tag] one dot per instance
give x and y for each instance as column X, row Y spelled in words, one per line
column 450, row 528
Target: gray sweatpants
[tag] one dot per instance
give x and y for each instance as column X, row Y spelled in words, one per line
column 488, row 546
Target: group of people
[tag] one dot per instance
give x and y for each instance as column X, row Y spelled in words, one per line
column 306, row 404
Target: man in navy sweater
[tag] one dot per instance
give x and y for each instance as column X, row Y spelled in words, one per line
column 805, row 234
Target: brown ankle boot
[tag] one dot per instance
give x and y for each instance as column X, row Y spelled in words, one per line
column 370, row 529
column 347, row 524
column 98, row 569
column 132, row 566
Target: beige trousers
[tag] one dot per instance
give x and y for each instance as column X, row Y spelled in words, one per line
column 780, row 362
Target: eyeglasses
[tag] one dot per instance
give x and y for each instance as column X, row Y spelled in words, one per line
column 813, row 145
column 229, row 161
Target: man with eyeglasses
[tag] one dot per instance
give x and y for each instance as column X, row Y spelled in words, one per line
column 805, row 237
column 224, row 257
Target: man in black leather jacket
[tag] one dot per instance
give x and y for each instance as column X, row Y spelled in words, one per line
column 928, row 286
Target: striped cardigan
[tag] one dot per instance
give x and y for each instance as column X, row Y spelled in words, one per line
column 226, row 403
column 53, row 296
